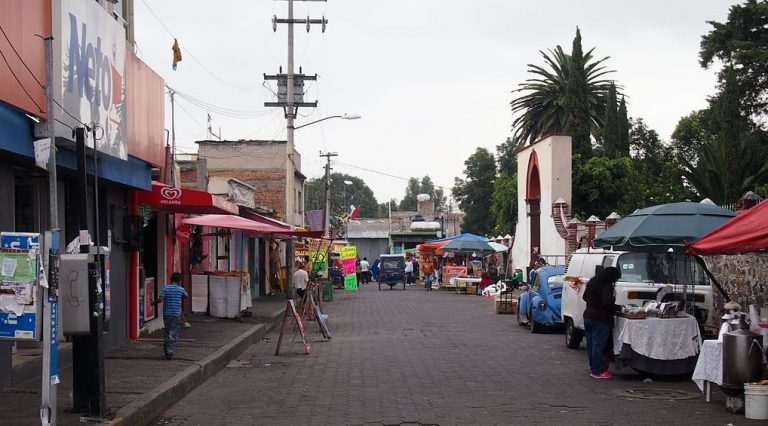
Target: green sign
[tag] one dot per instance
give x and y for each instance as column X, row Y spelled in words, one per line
column 350, row 282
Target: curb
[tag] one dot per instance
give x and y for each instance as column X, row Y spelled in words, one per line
column 150, row 405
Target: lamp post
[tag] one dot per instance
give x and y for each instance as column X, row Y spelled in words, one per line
column 343, row 117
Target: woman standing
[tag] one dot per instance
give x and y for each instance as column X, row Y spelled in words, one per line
column 600, row 296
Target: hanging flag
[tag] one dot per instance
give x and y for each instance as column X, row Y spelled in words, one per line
column 354, row 212
column 176, row 53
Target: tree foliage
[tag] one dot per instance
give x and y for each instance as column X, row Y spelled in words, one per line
column 504, row 206
column 342, row 195
column 540, row 107
column 611, row 133
column 578, row 118
column 741, row 43
column 474, row 192
column 425, row 186
column 599, row 185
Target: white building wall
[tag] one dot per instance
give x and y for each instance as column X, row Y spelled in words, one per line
column 554, row 160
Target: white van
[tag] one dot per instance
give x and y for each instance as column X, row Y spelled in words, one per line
column 642, row 275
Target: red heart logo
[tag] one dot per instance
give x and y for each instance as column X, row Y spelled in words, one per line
column 170, row 193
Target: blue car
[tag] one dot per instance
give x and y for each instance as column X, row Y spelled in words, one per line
column 539, row 305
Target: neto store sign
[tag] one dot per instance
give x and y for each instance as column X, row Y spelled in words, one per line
column 90, row 48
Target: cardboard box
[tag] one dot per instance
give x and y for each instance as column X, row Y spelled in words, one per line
column 505, row 307
column 471, row 289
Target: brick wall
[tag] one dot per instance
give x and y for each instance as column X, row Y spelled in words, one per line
column 269, row 185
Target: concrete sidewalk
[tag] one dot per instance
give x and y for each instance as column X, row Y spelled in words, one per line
column 140, row 383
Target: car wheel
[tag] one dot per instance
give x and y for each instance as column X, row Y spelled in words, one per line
column 573, row 335
column 520, row 321
column 535, row 327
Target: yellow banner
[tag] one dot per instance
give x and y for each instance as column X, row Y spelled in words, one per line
column 348, row 252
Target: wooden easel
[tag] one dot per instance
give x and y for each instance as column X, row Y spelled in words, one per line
column 290, row 310
column 311, row 310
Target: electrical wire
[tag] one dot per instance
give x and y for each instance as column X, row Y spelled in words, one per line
column 210, row 107
column 21, row 84
column 19, row 56
column 387, row 174
column 190, row 53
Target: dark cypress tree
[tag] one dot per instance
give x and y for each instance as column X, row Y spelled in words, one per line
column 623, row 129
column 611, row 133
column 577, row 102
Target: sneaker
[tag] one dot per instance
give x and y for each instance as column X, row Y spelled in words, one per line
column 603, row 375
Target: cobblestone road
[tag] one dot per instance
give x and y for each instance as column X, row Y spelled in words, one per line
column 417, row 357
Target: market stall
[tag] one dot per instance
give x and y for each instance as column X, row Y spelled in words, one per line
column 659, row 346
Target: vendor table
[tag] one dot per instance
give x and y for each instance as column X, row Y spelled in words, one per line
column 668, row 346
column 460, row 283
column 709, row 368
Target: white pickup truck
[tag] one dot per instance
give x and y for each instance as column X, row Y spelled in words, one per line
column 642, row 275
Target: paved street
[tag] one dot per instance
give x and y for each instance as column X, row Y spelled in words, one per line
column 418, row 357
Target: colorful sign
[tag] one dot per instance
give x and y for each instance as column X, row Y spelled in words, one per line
column 350, row 282
column 90, row 64
column 349, row 266
column 19, row 286
column 348, row 252
column 318, row 253
column 452, row 272
column 183, row 234
column 149, row 299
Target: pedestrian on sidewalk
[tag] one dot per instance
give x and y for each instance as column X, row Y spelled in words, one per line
column 171, row 297
column 408, row 272
column 300, row 279
column 428, row 269
column 600, row 296
column 365, row 270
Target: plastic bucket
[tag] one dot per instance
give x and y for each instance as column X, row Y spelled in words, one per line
column 756, row 401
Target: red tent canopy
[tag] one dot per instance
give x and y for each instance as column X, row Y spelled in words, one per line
column 243, row 224
column 184, row 200
column 745, row 233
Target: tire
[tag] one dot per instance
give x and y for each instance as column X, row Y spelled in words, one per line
column 535, row 327
column 573, row 335
column 520, row 320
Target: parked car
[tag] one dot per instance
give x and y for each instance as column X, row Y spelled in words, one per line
column 392, row 270
column 540, row 303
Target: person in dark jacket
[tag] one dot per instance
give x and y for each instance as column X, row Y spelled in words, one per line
column 600, row 296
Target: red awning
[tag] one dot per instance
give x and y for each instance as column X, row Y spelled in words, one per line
column 183, row 200
column 243, row 224
column 746, row 232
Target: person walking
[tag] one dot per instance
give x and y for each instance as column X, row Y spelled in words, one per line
column 408, row 272
column 600, row 296
column 172, row 296
column 300, row 279
column 365, row 270
column 428, row 269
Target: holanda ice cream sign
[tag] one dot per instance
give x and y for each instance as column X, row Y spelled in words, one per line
column 90, row 56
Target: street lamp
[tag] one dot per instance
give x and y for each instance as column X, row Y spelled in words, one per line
column 343, row 117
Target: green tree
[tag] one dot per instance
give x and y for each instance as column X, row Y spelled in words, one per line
column 506, row 157
column 504, row 206
column 425, row 186
column 578, row 118
column 385, row 208
column 741, row 43
column 624, row 127
column 599, row 184
column 732, row 161
column 342, row 195
column 411, row 191
column 475, row 191
column 611, row 128
column 691, row 134
column 540, row 107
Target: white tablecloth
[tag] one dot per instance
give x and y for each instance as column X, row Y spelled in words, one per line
column 455, row 280
column 710, row 364
column 662, row 339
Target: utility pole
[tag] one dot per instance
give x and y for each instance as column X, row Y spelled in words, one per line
column 290, row 99
column 173, row 140
column 328, row 156
column 50, row 295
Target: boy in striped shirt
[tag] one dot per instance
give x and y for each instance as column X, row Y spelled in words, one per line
column 171, row 297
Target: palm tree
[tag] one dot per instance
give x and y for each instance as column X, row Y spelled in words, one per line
column 540, row 110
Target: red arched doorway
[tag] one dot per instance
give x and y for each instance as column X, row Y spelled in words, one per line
column 533, row 205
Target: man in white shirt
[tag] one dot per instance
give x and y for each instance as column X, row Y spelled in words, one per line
column 300, row 279
column 365, row 270
column 408, row 271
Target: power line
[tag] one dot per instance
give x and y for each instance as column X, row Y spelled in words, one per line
column 20, row 83
column 190, row 53
column 387, row 174
column 42, row 86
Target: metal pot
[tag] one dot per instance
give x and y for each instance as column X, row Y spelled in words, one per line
column 742, row 358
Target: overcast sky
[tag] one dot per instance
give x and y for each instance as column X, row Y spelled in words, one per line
column 431, row 79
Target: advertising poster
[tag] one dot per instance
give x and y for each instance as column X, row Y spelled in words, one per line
column 149, row 298
column 318, row 252
column 18, row 286
column 348, row 256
